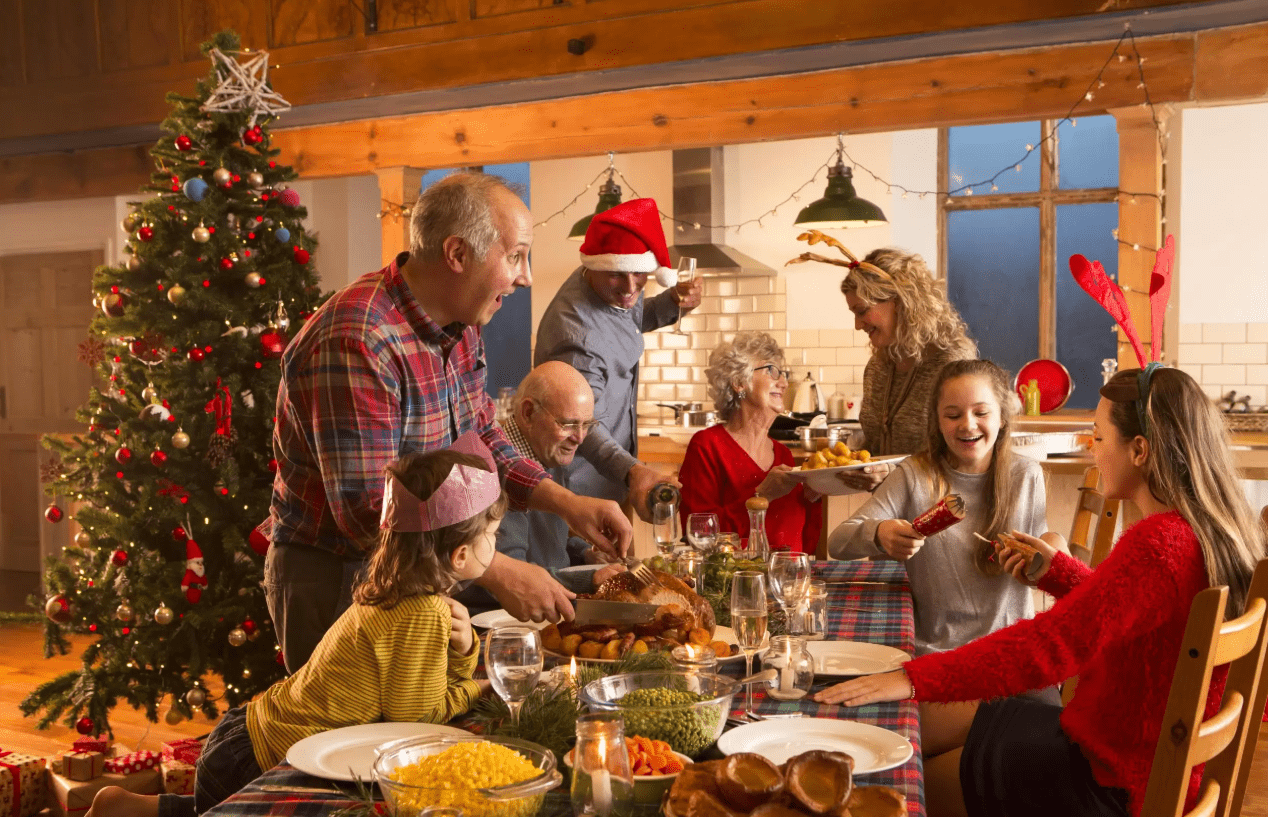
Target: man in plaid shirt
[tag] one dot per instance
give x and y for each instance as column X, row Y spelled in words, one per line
column 394, row 363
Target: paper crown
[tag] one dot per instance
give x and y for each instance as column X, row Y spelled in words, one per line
column 465, row 492
column 626, row 238
column 1091, row 276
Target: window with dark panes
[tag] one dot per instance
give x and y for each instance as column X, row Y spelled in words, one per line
column 1007, row 240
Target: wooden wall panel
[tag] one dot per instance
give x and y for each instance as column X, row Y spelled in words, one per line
column 60, row 38
column 494, row 8
column 1231, row 65
column 395, row 15
column 138, row 34
column 202, row 18
column 12, row 71
column 310, row 21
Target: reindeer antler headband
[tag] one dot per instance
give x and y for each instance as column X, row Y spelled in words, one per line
column 815, row 237
column 1091, row 276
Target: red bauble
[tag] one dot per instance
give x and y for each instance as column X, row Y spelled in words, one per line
column 145, row 233
column 226, row 263
column 272, row 466
column 183, row 142
column 250, row 137
column 57, row 608
column 53, row 513
column 196, row 354
column 258, row 542
column 272, row 344
column 138, row 347
column 123, row 455
column 179, row 534
column 301, row 255
column 248, row 626
column 113, row 304
column 288, row 197
column 85, row 726
column 158, row 459
column 119, row 557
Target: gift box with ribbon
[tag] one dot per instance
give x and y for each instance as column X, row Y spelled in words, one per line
column 135, row 762
column 73, row 798
column 186, row 750
column 178, row 777
column 82, row 765
column 22, row 786
column 98, row 744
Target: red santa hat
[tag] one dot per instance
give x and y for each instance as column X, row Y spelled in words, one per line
column 192, row 551
column 626, row 238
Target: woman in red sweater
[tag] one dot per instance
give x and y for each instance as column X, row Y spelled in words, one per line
column 1160, row 443
column 726, row 464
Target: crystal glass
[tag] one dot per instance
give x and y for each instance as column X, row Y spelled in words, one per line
column 794, row 666
column 748, row 620
column 702, row 530
column 816, row 611
column 789, row 574
column 602, row 783
column 513, row 660
column 686, row 273
column 665, row 527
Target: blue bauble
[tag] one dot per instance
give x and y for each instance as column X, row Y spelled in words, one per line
column 282, row 234
column 195, row 188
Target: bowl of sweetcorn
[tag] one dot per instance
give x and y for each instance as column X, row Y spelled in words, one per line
column 482, row 776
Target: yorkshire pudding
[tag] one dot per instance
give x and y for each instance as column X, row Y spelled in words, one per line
column 820, row 782
column 748, row 780
column 876, row 801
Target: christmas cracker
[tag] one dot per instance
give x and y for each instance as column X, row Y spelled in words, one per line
column 948, row 511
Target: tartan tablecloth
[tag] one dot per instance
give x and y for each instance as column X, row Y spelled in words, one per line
column 284, row 790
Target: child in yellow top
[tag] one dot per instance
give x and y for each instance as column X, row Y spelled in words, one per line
column 404, row 651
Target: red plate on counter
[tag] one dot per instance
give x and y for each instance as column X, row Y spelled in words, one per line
column 1055, row 383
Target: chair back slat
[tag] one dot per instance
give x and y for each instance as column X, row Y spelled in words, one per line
column 1217, row 732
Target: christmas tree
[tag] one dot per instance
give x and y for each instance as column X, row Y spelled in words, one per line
column 176, row 467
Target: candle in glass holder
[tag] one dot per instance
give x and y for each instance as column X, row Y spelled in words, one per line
column 694, row 659
column 794, row 665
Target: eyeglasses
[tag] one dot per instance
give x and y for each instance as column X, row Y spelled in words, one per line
column 581, row 427
column 774, row 371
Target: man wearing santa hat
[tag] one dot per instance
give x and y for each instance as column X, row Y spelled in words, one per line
column 596, row 323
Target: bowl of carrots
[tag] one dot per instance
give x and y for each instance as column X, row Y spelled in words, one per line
column 654, row 764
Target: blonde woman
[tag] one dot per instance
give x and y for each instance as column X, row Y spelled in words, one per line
column 913, row 331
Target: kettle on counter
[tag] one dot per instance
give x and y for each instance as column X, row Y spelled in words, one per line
column 807, row 399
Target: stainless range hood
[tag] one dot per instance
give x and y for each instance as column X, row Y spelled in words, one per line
column 699, row 199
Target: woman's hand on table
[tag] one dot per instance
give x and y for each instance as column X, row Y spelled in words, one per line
column 887, row 686
column 1028, row 571
column 866, row 479
column 898, row 539
column 778, row 483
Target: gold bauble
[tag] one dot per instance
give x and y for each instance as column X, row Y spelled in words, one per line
column 150, row 393
column 131, row 222
column 237, row 636
column 221, row 176
column 176, row 294
column 173, row 716
column 163, row 615
column 201, row 234
column 83, row 539
column 180, row 439
column 134, row 263
column 252, row 280
column 255, row 179
column 123, row 612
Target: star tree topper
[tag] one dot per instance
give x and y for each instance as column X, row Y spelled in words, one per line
column 244, row 86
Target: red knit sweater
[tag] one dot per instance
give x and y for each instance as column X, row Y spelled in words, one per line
column 718, row 476
column 1118, row 628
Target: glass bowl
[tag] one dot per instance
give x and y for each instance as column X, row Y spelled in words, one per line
column 522, row 799
column 689, row 728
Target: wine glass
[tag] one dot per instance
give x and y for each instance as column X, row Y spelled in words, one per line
column 702, row 530
column 665, row 527
column 686, row 272
column 790, row 583
column 748, row 620
column 513, row 660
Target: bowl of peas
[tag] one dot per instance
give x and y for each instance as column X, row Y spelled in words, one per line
column 687, row 710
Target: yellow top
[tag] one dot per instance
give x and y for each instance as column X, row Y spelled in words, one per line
column 372, row 665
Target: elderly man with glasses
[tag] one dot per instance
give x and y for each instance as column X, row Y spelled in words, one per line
column 552, row 413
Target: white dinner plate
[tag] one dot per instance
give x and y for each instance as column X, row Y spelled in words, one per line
column 500, row 618
column 825, row 482
column 720, row 633
column 348, row 753
column 841, row 658
column 874, row 749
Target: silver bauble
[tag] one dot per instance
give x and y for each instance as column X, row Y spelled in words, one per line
column 237, row 637
column 196, row 697
column 255, row 179
column 123, row 612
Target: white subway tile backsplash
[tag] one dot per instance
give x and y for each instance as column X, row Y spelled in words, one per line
column 1224, row 373
column 836, row 337
column 1257, row 375
column 768, row 303
column 660, row 391
column 1213, row 392
column 759, row 321
column 693, row 322
column 675, row 374
column 1257, row 333
column 706, row 341
column 722, row 323
column 805, row 338
column 1190, row 333
column 668, row 340
column 781, row 284
column 734, row 306
column 821, row 356
column 651, row 340
column 709, row 306
column 659, row 357
column 1246, row 353
column 854, row 355
column 779, row 320
column 756, row 286
column 652, row 373
column 794, row 356
column 1223, row 333
column 1258, row 394
column 724, row 289
column 1201, row 353
column 691, row 357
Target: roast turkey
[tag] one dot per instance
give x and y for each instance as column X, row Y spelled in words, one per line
column 668, row 593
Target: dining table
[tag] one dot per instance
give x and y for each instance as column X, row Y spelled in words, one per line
column 868, row 601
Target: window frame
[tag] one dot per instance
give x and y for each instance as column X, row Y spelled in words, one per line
column 1047, row 198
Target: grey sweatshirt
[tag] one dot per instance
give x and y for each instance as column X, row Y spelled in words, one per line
column 954, row 603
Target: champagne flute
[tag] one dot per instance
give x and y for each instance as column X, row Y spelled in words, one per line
column 790, row 583
column 513, row 660
column 665, row 527
column 748, row 620
column 686, row 273
column 702, row 530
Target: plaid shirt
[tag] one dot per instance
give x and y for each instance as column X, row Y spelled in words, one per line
column 371, row 377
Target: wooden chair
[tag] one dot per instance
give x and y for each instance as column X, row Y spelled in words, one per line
column 1225, row 741
column 1095, row 520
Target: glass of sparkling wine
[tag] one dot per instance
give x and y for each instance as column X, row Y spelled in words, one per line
column 686, row 272
column 702, row 530
column 513, row 660
column 790, row 583
column 665, row 527
column 748, row 619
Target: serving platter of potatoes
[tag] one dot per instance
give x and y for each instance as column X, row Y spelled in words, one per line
column 820, row 469
column 604, row 643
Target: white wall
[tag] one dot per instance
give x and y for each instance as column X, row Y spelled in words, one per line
column 341, row 216
column 1223, row 257
column 79, row 224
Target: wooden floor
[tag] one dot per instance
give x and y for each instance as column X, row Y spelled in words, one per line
column 22, row 667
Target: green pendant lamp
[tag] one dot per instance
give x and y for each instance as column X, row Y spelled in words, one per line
column 609, row 197
column 840, row 208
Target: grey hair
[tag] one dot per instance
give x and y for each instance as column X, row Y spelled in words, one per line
column 732, row 362
column 457, row 205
